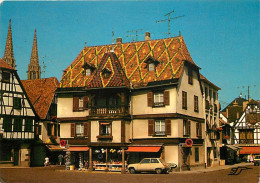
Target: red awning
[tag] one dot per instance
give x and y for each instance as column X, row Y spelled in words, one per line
column 250, row 150
column 143, row 149
column 78, row 148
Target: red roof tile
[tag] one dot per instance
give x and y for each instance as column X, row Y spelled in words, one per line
column 41, row 93
column 203, row 78
column 3, row 64
column 170, row 52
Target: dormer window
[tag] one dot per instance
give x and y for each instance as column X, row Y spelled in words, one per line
column 88, row 72
column 106, row 73
column 151, row 63
column 89, row 68
column 151, row 67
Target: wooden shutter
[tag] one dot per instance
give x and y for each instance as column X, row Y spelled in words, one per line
column 188, row 127
column 197, row 129
column 85, row 102
column 72, row 130
column 85, row 129
column 167, row 126
column 122, row 131
column 150, row 127
column 150, row 99
column 166, row 96
column 75, row 103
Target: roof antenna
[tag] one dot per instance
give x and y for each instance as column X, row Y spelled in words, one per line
column 113, row 36
column 169, row 21
column 135, row 36
column 85, row 44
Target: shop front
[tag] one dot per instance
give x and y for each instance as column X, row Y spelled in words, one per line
column 77, row 157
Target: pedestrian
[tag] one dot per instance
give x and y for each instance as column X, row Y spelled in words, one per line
column 47, row 162
column 86, row 164
column 251, row 158
column 60, row 157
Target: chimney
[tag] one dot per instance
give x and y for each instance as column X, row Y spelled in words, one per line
column 118, row 40
column 147, row 36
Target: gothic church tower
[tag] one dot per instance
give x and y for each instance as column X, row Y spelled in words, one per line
column 34, row 69
column 9, row 52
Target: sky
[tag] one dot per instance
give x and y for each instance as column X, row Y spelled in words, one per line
column 223, row 37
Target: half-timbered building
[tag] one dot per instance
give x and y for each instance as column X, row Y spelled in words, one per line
column 17, row 119
column 247, row 130
column 145, row 96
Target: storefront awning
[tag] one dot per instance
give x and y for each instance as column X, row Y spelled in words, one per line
column 54, row 148
column 78, row 148
column 250, row 150
column 143, row 149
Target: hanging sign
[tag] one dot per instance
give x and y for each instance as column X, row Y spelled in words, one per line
column 63, row 143
column 188, row 142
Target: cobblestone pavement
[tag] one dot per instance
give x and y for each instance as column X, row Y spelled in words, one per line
column 238, row 173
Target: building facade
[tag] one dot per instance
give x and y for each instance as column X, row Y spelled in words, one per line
column 144, row 98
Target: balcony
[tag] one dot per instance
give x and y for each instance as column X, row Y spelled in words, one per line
column 109, row 110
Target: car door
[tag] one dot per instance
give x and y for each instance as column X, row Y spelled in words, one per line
column 144, row 165
column 154, row 164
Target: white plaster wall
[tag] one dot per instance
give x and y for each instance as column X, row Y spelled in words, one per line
column 116, row 131
column 65, row 108
column 127, row 131
column 94, row 130
column 171, row 154
column 65, row 130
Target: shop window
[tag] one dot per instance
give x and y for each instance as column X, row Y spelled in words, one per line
column 7, row 124
column 186, row 127
column 17, row 103
column 79, row 130
column 5, row 77
column 18, row 124
column 197, row 155
column 28, row 125
column 159, row 127
column 105, row 129
column 184, row 100
column 190, row 79
column 196, row 103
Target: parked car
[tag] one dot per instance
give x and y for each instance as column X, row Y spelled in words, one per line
column 151, row 165
column 257, row 160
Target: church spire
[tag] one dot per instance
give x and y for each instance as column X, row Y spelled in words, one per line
column 34, row 69
column 9, row 52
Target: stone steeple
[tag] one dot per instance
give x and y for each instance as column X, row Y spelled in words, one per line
column 9, row 52
column 34, row 69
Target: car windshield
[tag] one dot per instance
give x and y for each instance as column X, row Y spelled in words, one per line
column 162, row 161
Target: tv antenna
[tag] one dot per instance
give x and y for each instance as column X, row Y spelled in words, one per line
column 134, row 36
column 169, row 21
column 248, row 90
column 44, row 65
column 113, row 36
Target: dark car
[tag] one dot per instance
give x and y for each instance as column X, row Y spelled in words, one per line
column 257, row 160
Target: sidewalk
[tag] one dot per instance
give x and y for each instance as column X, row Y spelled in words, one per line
column 215, row 168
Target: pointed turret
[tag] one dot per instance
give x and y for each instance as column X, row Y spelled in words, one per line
column 9, row 52
column 34, row 69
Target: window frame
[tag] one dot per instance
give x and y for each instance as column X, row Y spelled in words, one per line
column 17, row 103
column 161, row 124
column 196, row 103
column 81, row 130
column 198, row 129
column 6, row 77
column 158, row 95
column 186, row 127
column 190, row 78
column 7, row 124
column 109, row 129
column 18, row 124
column 151, row 66
column 88, row 72
column 28, row 125
column 184, row 100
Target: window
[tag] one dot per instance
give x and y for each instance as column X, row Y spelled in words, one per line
column 206, row 92
column 159, row 127
column 151, row 67
column 88, row 72
column 197, row 155
column 7, row 125
column 79, row 130
column 18, row 124
column 17, row 103
column 158, row 99
column 214, row 96
column 184, row 100
column 145, row 161
column 28, row 125
column 50, row 129
column 81, row 103
column 215, row 152
column 198, row 129
column 190, row 80
column 105, row 128
column 154, row 161
column 246, row 136
column 186, row 127
column 196, row 103
column 6, row 77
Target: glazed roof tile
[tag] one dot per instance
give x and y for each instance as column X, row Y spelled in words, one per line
column 171, row 53
column 41, row 93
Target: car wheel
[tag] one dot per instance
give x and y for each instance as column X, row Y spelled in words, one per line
column 158, row 171
column 132, row 170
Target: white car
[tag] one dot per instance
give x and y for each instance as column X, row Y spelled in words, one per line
column 149, row 165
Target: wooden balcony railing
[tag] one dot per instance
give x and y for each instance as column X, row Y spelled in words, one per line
column 109, row 110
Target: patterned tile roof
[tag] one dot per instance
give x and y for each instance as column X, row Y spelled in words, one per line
column 41, row 93
column 3, row 64
column 171, row 53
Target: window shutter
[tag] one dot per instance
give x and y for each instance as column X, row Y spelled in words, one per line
column 167, row 126
column 150, row 99
column 197, row 129
column 72, row 130
column 85, row 102
column 166, row 98
column 150, row 127
column 188, row 128
column 75, row 103
column 86, row 129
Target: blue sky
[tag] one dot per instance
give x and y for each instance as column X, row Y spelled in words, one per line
column 223, row 37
